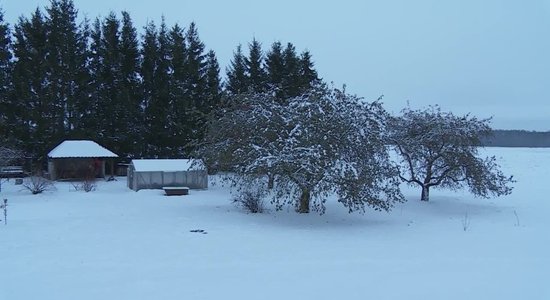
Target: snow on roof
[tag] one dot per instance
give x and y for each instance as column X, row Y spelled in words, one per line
column 166, row 165
column 80, row 148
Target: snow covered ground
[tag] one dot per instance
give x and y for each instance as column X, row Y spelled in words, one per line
column 118, row 244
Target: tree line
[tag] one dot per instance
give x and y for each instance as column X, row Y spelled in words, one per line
column 140, row 95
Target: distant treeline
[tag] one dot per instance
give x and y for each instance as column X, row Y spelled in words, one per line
column 517, row 138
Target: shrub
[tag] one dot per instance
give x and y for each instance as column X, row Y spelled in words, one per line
column 38, row 184
column 87, row 185
column 251, row 198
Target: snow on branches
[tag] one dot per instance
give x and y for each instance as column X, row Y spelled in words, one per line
column 320, row 143
column 440, row 149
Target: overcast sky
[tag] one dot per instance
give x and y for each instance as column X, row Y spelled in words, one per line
column 485, row 57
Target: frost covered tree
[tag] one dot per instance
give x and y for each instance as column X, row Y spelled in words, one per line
column 317, row 144
column 439, row 149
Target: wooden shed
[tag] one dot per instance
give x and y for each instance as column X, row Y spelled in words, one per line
column 159, row 173
column 77, row 159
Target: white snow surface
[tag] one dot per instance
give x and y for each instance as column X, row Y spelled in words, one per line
column 166, row 165
column 115, row 243
column 80, row 148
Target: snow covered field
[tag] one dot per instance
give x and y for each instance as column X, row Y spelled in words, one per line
column 118, row 244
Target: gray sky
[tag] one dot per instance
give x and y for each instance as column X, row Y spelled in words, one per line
column 485, row 57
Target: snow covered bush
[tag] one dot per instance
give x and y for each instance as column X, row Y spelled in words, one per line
column 440, row 149
column 322, row 143
column 37, row 184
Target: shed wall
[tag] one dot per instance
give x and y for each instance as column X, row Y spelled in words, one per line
column 157, row 180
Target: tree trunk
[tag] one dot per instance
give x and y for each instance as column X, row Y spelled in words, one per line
column 425, row 193
column 270, row 181
column 303, row 206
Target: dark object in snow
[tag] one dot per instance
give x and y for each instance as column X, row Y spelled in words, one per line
column 176, row 190
column 198, row 231
column 5, row 208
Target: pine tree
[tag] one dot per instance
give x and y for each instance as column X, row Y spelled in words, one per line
column 7, row 112
column 213, row 81
column 196, row 88
column 66, row 45
column 91, row 110
column 237, row 79
column 163, row 125
column 110, row 107
column 129, row 89
column 36, row 120
column 149, row 54
column 307, row 73
column 181, row 103
column 291, row 73
column 257, row 76
column 274, row 65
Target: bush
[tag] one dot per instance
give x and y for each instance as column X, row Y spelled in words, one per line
column 87, row 185
column 38, row 184
column 251, row 199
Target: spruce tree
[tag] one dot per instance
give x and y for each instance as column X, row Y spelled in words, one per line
column 149, row 54
column 91, row 111
column 237, row 79
column 66, row 43
column 274, row 65
column 7, row 111
column 257, row 77
column 307, row 73
column 110, row 107
column 196, row 88
column 213, row 81
column 35, row 118
column 181, row 102
column 130, row 96
column 291, row 73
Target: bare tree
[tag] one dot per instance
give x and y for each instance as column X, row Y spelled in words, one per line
column 440, row 149
column 312, row 146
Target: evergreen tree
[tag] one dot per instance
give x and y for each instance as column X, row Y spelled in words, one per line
column 257, row 77
column 181, row 102
column 307, row 73
column 130, row 97
column 66, row 44
column 7, row 112
column 149, row 54
column 110, row 107
column 91, row 110
column 237, row 79
column 35, row 119
column 274, row 65
column 291, row 73
column 213, row 81
column 196, row 88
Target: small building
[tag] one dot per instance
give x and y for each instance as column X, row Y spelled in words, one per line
column 159, row 173
column 78, row 159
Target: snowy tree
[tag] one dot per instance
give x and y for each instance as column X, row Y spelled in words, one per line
column 320, row 143
column 440, row 149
